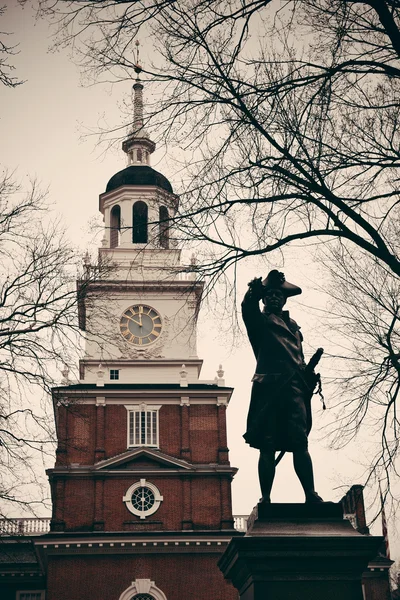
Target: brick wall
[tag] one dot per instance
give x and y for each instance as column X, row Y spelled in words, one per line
column 203, row 501
column 78, row 430
column 179, row 576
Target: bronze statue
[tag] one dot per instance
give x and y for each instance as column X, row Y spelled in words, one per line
column 279, row 417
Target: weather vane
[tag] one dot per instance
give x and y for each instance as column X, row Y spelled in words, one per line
column 138, row 68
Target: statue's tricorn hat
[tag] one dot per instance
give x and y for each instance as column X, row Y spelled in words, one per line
column 275, row 280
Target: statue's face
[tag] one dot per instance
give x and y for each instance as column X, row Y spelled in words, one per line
column 274, row 301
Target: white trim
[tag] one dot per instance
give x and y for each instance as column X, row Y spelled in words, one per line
column 116, row 542
column 143, row 406
column 143, row 586
column 20, row 593
column 157, row 499
column 222, row 401
column 133, row 453
column 114, row 400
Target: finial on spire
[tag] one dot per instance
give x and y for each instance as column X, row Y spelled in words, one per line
column 138, row 145
column 138, row 66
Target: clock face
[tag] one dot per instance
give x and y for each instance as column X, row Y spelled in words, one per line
column 140, row 325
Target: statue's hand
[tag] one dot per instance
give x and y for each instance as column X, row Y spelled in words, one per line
column 256, row 288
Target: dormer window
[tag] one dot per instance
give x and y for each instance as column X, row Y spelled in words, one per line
column 143, row 425
column 140, row 219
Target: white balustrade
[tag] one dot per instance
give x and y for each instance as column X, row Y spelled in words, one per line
column 25, row 526
column 39, row 526
column 186, row 275
column 240, row 522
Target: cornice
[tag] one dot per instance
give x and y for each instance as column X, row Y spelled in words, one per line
column 148, row 285
column 150, row 362
column 128, row 543
column 94, row 473
column 133, row 191
column 131, row 393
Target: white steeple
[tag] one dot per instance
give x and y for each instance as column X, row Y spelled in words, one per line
column 138, row 146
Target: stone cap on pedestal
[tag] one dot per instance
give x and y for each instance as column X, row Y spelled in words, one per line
column 325, row 518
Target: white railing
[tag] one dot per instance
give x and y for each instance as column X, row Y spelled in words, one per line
column 187, row 276
column 240, row 522
column 39, row 526
column 28, row 526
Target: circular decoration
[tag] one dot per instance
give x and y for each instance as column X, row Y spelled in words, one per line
column 143, row 597
column 140, row 325
column 143, row 499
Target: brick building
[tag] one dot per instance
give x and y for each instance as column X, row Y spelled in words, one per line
column 141, row 486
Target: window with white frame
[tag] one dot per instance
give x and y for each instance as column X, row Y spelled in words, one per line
column 114, row 374
column 143, row 499
column 143, row 589
column 143, row 425
column 30, row 595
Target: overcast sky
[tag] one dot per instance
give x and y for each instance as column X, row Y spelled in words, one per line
column 42, row 123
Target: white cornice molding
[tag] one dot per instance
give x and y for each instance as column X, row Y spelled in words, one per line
column 158, row 362
column 192, row 471
column 132, row 541
column 184, row 287
column 129, row 397
column 144, row 192
column 143, row 406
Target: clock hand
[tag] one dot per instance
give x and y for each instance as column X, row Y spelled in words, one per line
column 134, row 320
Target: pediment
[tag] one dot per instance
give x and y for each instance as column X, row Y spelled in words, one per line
column 142, row 458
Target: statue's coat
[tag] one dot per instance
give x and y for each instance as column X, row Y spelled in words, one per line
column 280, row 412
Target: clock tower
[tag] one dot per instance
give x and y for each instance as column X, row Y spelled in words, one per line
column 141, row 487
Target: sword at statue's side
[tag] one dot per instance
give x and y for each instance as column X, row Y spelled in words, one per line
column 313, row 380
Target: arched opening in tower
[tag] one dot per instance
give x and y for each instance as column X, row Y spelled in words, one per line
column 164, row 227
column 140, row 223
column 115, row 226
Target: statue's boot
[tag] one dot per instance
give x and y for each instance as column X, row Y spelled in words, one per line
column 313, row 498
column 264, row 500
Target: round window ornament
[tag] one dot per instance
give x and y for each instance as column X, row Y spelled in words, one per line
column 143, row 499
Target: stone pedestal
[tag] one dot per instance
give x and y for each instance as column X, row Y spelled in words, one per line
column 299, row 552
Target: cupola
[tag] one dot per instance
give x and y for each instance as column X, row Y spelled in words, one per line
column 139, row 201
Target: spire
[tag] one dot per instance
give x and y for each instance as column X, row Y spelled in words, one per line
column 138, row 95
column 138, row 145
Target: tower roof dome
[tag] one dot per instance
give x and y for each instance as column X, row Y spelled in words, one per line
column 138, row 175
